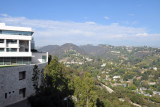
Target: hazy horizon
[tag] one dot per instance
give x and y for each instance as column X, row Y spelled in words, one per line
column 94, row 45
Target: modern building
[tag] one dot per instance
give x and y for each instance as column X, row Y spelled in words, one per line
column 17, row 51
column 16, row 48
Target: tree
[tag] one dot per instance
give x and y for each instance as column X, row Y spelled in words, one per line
column 55, row 88
column 136, row 82
column 35, row 78
column 54, row 74
column 132, row 87
column 49, row 59
column 129, row 75
column 84, row 91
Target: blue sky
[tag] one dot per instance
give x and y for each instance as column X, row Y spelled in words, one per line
column 115, row 22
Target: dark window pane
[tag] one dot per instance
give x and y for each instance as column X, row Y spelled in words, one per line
column 22, row 75
column 7, row 61
column 22, row 92
column 1, row 49
column 11, row 41
column 11, row 49
column 13, row 61
column 1, row 61
column 1, row 40
column 20, row 60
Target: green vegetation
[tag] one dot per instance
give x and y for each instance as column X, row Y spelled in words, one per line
column 133, row 73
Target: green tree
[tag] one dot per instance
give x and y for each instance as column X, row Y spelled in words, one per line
column 84, row 91
column 136, row 82
column 54, row 76
column 35, row 78
column 55, row 88
column 132, row 87
column 129, row 75
column 49, row 58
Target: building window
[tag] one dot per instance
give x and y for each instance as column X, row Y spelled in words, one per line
column 8, row 32
column 1, row 61
column 19, row 60
column 11, row 49
column 22, row 75
column 13, row 61
column 1, row 49
column 11, row 41
column 22, row 92
column 5, row 95
column 25, row 60
column 7, row 61
column 43, row 58
column 1, row 40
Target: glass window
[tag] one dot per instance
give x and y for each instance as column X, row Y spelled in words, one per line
column 1, row 40
column 13, row 61
column 1, row 61
column 5, row 95
column 25, row 60
column 9, row 32
column 43, row 58
column 11, row 41
column 20, row 60
column 29, row 60
column 1, row 49
column 11, row 49
column 22, row 92
column 22, row 75
column 7, row 61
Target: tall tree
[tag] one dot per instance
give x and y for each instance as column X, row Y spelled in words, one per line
column 35, row 78
column 84, row 91
column 49, row 59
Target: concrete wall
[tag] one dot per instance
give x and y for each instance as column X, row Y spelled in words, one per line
column 37, row 57
column 10, row 83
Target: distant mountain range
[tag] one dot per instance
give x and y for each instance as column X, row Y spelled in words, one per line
column 96, row 51
column 59, row 50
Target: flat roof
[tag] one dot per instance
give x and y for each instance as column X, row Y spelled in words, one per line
column 14, row 28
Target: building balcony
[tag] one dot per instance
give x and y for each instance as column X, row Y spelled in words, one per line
column 16, row 37
column 15, row 54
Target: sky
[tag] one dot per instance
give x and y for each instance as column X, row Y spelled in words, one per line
column 113, row 22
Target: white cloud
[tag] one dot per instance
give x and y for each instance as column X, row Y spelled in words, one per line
column 5, row 15
column 129, row 22
column 59, row 32
column 106, row 17
column 142, row 34
column 90, row 23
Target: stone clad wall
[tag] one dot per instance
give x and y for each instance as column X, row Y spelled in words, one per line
column 10, row 83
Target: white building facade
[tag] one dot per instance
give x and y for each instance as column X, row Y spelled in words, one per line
column 16, row 50
column 15, row 46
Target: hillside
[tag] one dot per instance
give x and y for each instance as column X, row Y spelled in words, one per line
column 103, row 51
column 56, row 50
